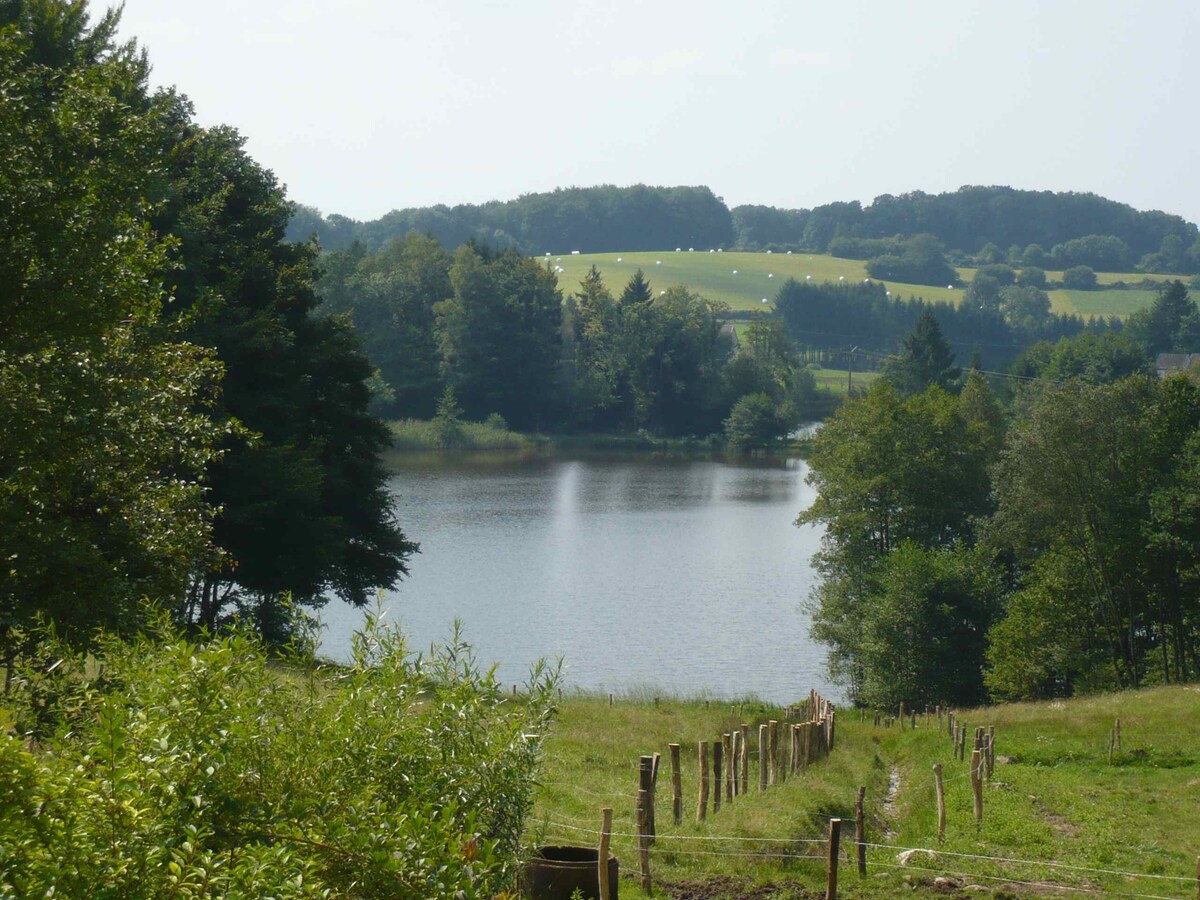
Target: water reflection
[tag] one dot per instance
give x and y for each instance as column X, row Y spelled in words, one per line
column 683, row 575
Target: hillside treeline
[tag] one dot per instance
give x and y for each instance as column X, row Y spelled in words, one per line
column 593, row 220
column 831, row 316
column 1035, row 228
column 1033, row 543
column 493, row 328
column 968, row 219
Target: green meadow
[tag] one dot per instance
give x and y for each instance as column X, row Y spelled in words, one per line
column 744, row 280
column 1059, row 817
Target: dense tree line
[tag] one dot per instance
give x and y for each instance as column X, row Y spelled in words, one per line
column 978, row 224
column 838, row 316
column 973, row 216
column 594, row 220
column 176, row 423
column 1050, row 547
column 494, row 328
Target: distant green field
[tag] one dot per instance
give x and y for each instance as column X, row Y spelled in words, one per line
column 1101, row 303
column 759, row 276
column 835, row 379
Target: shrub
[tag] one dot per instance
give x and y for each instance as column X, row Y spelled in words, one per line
column 1079, row 278
column 204, row 770
column 754, row 424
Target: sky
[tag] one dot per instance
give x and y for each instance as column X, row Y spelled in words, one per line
column 364, row 106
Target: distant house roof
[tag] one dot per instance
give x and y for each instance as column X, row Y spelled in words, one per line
column 729, row 333
column 1167, row 363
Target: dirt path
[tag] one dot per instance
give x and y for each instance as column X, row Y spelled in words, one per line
column 889, row 801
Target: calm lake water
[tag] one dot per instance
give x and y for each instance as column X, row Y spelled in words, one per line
column 673, row 576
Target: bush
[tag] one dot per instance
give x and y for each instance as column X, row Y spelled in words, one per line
column 754, row 424
column 1032, row 276
column 1079, row 278
column 173, row 769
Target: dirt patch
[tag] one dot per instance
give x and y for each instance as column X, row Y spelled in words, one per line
column 1061, row 824
column 727, row 887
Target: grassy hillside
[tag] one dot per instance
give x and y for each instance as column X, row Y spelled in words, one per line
column 759, row 275
column 1054, row 802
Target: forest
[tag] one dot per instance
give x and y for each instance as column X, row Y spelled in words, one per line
column 490, row 333
column 1026, row 543
column 1033, row 228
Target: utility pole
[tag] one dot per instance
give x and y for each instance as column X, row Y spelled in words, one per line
column 850, row 371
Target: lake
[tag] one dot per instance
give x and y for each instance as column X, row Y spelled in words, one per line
column 646, row 575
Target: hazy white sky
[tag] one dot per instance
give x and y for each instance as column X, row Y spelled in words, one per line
column 363, row 106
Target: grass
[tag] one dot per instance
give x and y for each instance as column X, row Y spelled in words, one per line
column 835, row 380
column 422, row 435
column 711, row 274
column 1101, row 302
column 1053, row 798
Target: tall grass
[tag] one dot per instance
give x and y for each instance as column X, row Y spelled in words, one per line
column 424, row 434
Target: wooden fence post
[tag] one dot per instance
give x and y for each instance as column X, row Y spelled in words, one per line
column 643, row 841
column 718, row 774
column 860, row 831
column 605, row 839
column 763, row 752
column 735, row 757
column 646, row 785
column 727, row 774
column 1117, row 728
column 835, row 833
column 977, row 783
column 676, row 785
column 702, row 798
column 745, row 757
column 610, row 699
column 902, row 715
column 941, row 801
column 773, row 758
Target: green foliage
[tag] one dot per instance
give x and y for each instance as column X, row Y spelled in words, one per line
column 1098, row 251
column 202, row 770
column 1095, row 358
column 500, row 337
column 891, row 472
column 925, row 359
column 104, row 415
column 1026, row 308
column 448, row 422
column 303, row 506
column 604, row 217
column 1079, row 278
column 390, row 295
column 1032, row 276
column 1045, row 644
column 754, row 424
column 424, row 435
column 1102, row 476
column 925, row 628
column 922, row 262
column 1171, row 322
